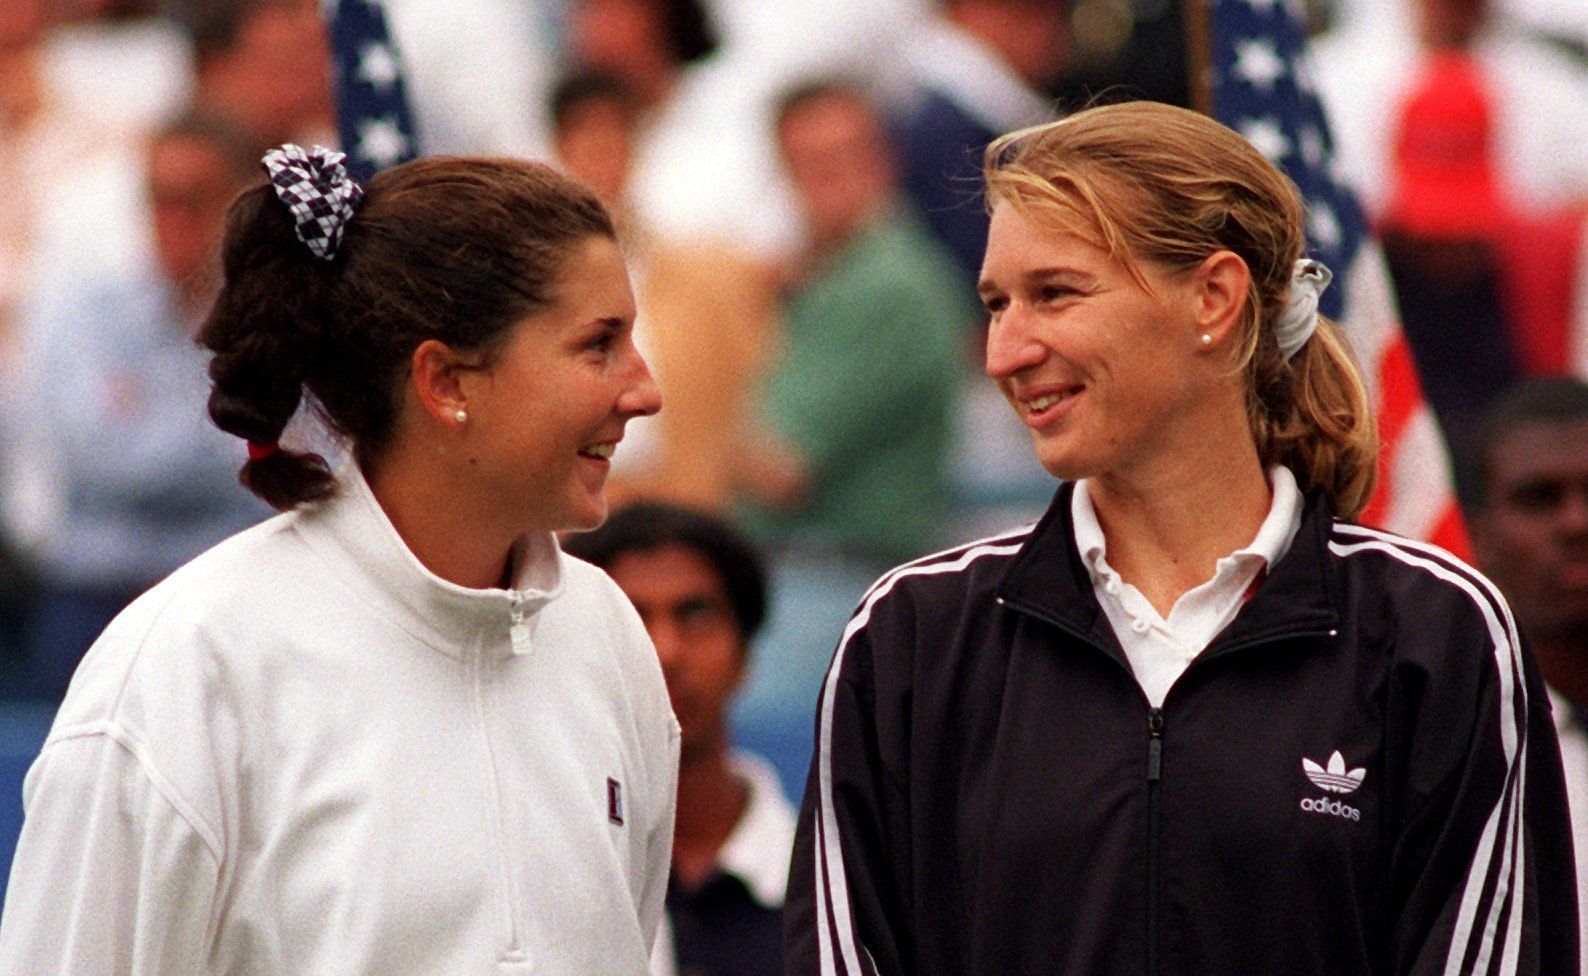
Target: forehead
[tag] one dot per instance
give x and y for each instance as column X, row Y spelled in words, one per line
column 667, row 573
column 1018, row 242
column 1555, row 451
column 829, row 115
column 594, row 280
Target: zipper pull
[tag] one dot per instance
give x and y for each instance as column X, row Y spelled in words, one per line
column 518, row 630
column 1154, row 745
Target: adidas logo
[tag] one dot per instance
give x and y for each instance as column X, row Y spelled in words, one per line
column 1334, row 778
column 1333, row 808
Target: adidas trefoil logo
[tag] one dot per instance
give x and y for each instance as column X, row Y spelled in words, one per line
column 1335, row 777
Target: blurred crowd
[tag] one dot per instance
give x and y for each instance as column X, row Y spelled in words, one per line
column 796, row 185
column 797, row 188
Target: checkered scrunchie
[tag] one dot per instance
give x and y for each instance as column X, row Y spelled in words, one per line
column 316, row 187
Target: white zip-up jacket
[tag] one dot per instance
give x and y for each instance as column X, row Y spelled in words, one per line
column 304, row 753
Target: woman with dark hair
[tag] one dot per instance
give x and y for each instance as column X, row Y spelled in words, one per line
column 395, row 729
column 1194, row 720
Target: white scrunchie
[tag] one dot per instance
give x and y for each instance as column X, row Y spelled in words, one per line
column 317, row 188
column 1300, row 319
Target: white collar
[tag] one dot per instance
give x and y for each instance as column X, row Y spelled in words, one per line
column 946, row 59
column 758, row 850
column 1272, row 541
column 362, row 548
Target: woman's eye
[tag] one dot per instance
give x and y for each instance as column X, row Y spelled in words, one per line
column 1052, row 293
column 995, row 305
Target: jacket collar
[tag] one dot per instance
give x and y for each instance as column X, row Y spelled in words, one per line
column 1299, row 594
column 352, row 533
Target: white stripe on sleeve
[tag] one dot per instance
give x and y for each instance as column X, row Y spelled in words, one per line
column 1508, row 808
column 831, row 882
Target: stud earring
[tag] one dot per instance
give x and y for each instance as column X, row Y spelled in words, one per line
column 1207, row 340
column 461, row 416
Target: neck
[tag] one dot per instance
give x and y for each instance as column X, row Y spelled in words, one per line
column 1560, row 658
column 437, row 520
column 711, row 799
column 1167, row 523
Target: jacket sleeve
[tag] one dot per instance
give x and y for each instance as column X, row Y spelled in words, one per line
column 847, row 909
column 110, row 875
column 1482, row 876
column 659, row 854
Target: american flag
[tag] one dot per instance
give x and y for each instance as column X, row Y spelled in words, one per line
column 1262, row 87
column 373, row 117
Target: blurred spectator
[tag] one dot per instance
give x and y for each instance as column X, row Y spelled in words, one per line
column 1467, row 134
column 595, row 118
column 266, row 65
column 704, row 311
column 119, row 63
column 1365, row 66
column 1531, row 536
column 1439, row 232
column 859, row 404
column 42, row 142
column 979, row 67
column 701, row 591
column 704, row 168
column 113, row 409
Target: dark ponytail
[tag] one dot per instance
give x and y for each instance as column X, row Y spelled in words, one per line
column 261, row 329
column 454, row 249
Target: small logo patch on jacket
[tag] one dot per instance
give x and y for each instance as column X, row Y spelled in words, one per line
column 614, row 801
column 1333, row 778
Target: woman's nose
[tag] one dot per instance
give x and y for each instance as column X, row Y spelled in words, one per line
column 1011, row 347
column 643, row 397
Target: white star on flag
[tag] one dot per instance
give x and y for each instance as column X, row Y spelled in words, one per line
column 1306, row 78
column 1312, row 146
column 1262, row 6
column 1323, row 226
column 1269, row 138
column 377, row 66
column 382, row 141
column 1258, row 64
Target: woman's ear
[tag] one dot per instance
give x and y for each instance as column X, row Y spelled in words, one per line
column 1222, row 285
column 438, row 375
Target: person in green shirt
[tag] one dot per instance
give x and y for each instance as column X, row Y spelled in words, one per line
column 858, row 410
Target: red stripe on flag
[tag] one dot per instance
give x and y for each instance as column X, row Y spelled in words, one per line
column 1451, row 533
column 1399, row 391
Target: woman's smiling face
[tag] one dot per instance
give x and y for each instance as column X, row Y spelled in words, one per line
column 547, row 413
column 1100, row 369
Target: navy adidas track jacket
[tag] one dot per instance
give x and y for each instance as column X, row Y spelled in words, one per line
column 1359, row 775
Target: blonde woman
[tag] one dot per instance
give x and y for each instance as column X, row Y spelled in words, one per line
column 1194, row 721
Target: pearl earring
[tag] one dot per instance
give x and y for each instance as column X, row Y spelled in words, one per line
column 1207, row 340
column 461, row 416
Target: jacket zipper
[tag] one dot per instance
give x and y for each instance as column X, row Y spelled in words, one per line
column 518, row 627
column 1155, row 723
column 1154, row 774
column 509, row 879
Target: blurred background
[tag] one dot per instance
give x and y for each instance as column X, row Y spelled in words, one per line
column 796, row 184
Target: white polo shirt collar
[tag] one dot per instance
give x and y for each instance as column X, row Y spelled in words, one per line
column 1159, row 648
